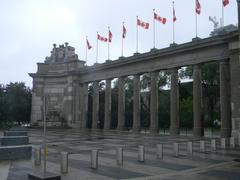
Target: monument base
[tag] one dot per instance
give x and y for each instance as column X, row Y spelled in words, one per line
column 41, row 176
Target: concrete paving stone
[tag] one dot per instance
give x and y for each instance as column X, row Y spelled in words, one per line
column 80, row 142
column 223, row 174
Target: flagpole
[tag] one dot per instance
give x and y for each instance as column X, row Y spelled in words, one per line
column 137, row 36
column 222, row 16
column 97, row 49
column 196, row 18
column 108, row 44
column 86, row 49
column 173, row 24
column 122, row 40
column 154, row 29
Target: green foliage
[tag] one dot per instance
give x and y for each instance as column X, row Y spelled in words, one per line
column 15, row 104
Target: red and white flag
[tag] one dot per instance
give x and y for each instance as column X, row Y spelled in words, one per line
column 160, row 19
column 88, row 45
column 174, row 15
column 101, row 38
column 198, row 7
column 124, row 32
column 110, row 36
column 225, row 2
column 142, row 24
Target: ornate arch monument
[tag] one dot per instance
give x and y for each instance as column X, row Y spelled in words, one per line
column 65, row 78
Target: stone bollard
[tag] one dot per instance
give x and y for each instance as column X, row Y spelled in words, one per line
column 119, row 153
column 202, row 146
column 213, row 145
column 223, row 143
column 232, row 142
column 37, row 156
column 160, row 151
column 64, row 162
column 189, row 148
column 141, row 153
column 94, row 159
column 175, row 149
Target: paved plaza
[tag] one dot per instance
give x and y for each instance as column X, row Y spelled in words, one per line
column 224, row 164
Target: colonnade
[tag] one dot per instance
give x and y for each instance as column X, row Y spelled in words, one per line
column 174, row 101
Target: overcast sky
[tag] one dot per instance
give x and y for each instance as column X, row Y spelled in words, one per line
column 30, row 27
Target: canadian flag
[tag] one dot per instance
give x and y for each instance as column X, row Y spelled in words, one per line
column 198, row 7
column 88, row 45
column 225, row 2
column 124, row 32
column 101, row 38
column 109, row 36
column 174, row 15
column 160, row 19
column 142, row 24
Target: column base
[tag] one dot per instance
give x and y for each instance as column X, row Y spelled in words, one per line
column 198, row 132
column 136, row 130
column 154, row 131
column 225, row 132
column 174, row 131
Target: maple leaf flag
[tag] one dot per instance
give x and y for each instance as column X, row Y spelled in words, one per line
column 174, row 15
column 109, row 36
column 160, row 19
column 88, row 45
column 225, row 2
column 101, row 38
column 142, row 24
column 124, row 32
column 198, row 7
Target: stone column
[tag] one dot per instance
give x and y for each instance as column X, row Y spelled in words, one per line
column 136, row 104
column 121, row 103
column 83, row 105
column 174, row 125
column 154, row 103
column 76, row 107
column 95, row 100
column 225, row 96
column 107, row 118
column 197, row 101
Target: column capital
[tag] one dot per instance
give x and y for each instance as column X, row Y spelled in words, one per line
column 154, row 73
column 174, row 70
column 197, row 66
column 224, row 62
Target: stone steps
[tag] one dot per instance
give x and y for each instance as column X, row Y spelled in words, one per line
column 14, row 144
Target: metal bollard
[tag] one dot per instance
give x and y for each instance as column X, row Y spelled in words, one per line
column 37, row 156
column 189, row 148
column 119, row 152
column 141, row 153
column 223, row 143
column 232, row 142
column 175, row 149
column 64, row 162
column 160, row 151
column 202, row 146
column 94, row 159
column 213, row 145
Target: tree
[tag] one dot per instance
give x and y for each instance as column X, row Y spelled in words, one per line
column 15, row 103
